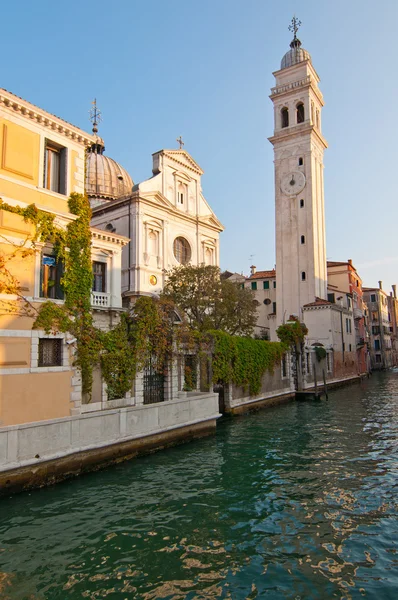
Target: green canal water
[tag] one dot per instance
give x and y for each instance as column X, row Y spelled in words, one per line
column 298, row 501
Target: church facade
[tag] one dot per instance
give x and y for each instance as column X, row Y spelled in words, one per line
column 166, row 217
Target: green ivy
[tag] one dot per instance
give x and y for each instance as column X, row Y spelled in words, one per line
column 292, row 334
column 43, row 223
column 320, row 353
column 243, row 360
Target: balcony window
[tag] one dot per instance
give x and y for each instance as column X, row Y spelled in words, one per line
column 99, row 277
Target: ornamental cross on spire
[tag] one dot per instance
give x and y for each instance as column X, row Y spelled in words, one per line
column 179, row 140
column 294, row 26
column 95, row 116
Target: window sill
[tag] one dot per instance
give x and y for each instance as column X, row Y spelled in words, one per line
column 51, row 193
column 55, row 300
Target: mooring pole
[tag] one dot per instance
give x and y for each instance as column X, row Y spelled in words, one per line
column 324, row 385
column 315, row 382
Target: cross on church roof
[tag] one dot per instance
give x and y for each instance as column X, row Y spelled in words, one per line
column 294, row 26
column 95, row 116
column 179, row 140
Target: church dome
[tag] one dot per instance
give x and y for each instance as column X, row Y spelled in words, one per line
column 295, row 55
column 105, row 178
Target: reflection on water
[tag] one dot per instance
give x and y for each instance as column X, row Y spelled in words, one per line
column 298, row 501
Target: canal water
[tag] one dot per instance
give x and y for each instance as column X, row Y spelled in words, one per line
column 298, row 501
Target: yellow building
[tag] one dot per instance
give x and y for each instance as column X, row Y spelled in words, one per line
column 42, row 163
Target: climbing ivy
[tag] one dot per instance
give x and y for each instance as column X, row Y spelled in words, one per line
column 243, row 360
column 320, row 353
column 292, row 334
column 147, row 333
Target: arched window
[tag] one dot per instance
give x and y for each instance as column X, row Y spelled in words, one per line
column 303, row 276
column 180, row 193
column 182, row 250
column 285, row 117
column 300, row 161
column 301, row 203
column 300, row 112
column 303, row 239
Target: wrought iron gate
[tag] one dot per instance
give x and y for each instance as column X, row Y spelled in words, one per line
column 153, row 385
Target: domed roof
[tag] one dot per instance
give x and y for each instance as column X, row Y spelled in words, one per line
column 295, row 55
column 105, row 178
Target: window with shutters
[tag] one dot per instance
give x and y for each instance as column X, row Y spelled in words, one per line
column 55, row 168
column 51, row 272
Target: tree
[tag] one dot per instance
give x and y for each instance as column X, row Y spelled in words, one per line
column 209, row 302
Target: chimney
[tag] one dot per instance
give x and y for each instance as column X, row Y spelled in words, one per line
column 380, row 285
column 252, row 270
column 350, row 262
column 394, row 290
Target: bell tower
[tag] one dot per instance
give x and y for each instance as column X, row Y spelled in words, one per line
column 299, row 198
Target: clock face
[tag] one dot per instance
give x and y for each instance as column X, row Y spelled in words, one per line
column 153, row 280
column 293, row 183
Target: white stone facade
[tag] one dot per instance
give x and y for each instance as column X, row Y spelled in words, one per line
column 168, row 206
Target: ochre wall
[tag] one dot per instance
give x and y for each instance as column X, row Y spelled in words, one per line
column 34, row 397
column 14, row 352
column 20, row 151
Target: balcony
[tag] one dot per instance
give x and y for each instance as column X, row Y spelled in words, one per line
column 100, row 300
column 360, row 341
column 358, row 313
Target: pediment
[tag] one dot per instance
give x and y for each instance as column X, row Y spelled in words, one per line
column 212, row 221
column 181, row 157
column 152, row 222
column 182, row 175
column 157, row 198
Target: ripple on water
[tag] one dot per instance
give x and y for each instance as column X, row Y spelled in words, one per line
column 298, row 501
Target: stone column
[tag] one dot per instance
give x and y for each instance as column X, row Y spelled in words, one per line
column 171, row 380
column 139, row 389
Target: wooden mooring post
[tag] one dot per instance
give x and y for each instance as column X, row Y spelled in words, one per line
column 325, row 387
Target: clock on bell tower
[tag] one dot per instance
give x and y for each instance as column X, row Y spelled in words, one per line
column 299, row 197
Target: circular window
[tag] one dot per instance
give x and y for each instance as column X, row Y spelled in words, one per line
column 267, row 301
column 182, row 250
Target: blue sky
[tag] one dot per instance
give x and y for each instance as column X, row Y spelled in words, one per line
column 204, row 70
